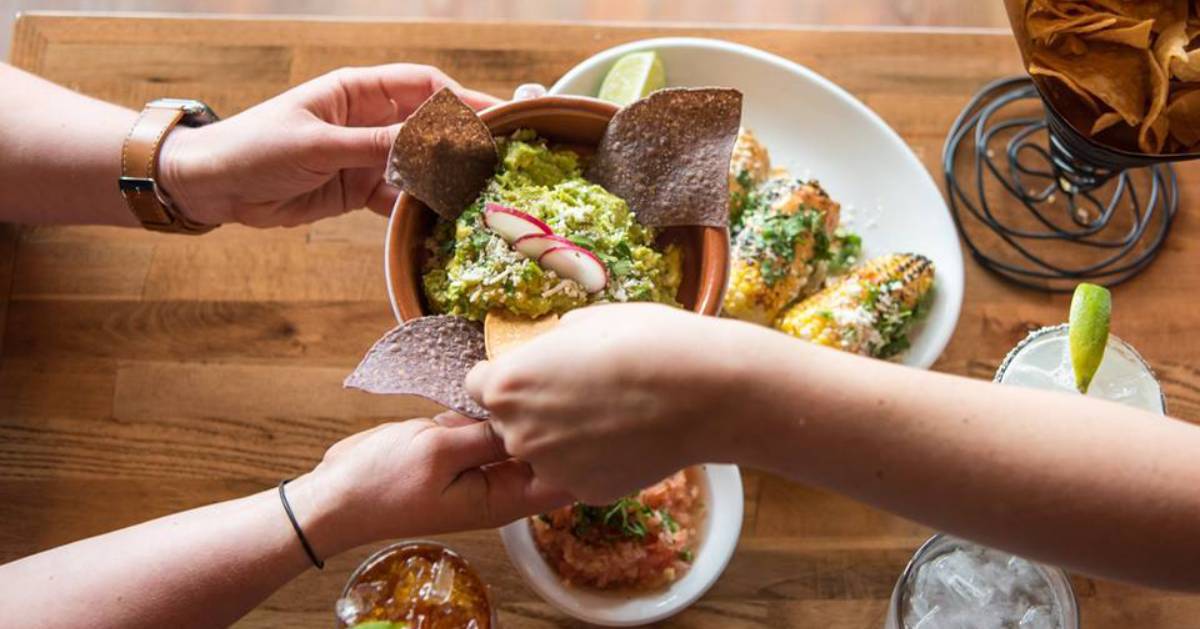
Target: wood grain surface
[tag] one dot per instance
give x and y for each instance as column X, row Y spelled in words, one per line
column 141, row 374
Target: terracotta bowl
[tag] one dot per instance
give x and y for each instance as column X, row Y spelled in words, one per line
column 579, row 123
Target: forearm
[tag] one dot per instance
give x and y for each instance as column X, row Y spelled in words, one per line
column 201, row 568
column 60, row 154
column 1095, row 486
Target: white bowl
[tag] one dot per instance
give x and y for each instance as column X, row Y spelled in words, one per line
column 818, row 130
column 718, row 540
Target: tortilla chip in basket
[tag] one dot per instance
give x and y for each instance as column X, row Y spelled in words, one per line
column 1183, row 115
column 1116, row 76
column 427, row 357
column 668, row 156
column 443, row 155
column 1126, row 58
column 1136, row 35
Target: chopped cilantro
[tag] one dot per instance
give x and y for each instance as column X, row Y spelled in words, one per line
column 627, row 518
column 780, row 233
column 480, row 239
column 584, row 241
column 847, row 247
column 687, row 555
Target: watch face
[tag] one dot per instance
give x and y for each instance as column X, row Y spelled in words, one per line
column 195, row 112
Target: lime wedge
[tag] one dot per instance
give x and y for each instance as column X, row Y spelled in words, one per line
column 632, row 77
column 1091, row 313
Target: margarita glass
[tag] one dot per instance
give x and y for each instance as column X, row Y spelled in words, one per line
column 1043, row 361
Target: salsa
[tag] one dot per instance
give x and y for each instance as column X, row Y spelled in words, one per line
column 472, row 269
column 415, row 586
column 643, row 541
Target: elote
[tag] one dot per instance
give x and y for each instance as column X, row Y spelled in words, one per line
column 748, row 167
column 782, row 243
column 869, row 311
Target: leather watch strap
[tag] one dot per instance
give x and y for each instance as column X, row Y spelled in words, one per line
column 139, row 173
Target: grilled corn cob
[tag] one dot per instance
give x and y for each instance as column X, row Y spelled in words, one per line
column 783, row 243
column 748, row 167
column 869, row 311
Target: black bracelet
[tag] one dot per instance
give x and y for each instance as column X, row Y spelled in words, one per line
column 296, row 525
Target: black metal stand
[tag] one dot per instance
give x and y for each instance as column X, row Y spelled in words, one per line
column 1060, row 217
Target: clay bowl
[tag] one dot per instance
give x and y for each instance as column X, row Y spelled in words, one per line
column 579, row 123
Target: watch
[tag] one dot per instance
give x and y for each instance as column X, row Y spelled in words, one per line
column 139, row 164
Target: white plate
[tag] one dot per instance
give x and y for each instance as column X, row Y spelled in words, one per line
column 718, row 540
column 816, row 129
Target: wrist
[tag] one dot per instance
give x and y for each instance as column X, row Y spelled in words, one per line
column 765, row 383
column 329, row 525
column 182, row 173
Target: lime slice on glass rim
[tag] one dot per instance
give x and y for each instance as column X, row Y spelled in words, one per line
column 1087, row 331
column 632, row 77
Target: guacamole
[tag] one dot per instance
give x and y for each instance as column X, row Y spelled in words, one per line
column 472, row 270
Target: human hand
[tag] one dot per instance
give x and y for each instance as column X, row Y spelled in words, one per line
column 314, row 151
column 617, row 397
column 414, row 478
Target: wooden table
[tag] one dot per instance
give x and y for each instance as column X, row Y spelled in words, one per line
column 143, row 374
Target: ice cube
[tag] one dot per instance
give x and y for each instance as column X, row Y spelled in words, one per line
column 1040, row 617
column 359, row 600
column 926, row 620
column 441, row 586
column 976, row 588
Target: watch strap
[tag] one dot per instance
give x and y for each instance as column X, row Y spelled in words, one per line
column 139, row 172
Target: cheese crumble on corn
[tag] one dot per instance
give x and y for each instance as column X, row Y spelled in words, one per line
column 869, row 311
column 783, row 242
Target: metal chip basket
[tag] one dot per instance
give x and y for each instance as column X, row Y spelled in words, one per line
column 1044, row 205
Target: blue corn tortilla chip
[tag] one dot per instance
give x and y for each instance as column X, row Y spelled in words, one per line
column 668, row 156
column 427, row 357
column 443, row 155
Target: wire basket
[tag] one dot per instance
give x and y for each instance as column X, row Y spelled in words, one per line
column 1044, row 205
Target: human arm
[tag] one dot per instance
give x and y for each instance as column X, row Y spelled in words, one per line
column 1099, row 487
column 209, row 566
column 316, row 150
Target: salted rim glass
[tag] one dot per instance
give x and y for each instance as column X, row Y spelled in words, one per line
column 1060, row 583
column 1114, row 342
column 411, row 543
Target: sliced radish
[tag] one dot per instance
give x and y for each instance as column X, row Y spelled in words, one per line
column 534, row 245
column 576, row 263
column 512, row 224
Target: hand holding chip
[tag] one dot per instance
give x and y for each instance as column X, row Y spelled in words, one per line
column 314, row 151
column 616, row 397
column 413, row 478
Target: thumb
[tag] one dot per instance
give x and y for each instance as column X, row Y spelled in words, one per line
column 506, row 491
column 470, row 446
column 359, row 147
column 475, row 380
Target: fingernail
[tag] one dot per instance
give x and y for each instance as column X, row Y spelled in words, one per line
column 527, row 91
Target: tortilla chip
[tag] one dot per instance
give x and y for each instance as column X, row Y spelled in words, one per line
column 443, row 155
column 1169, row 46
column 1183, row 113
column 1043, row 26
column 668, row 156
column 427, row 357
column 1035, row 70
column 503, row 331
column 1061, row 8
column 1072, row 44
column 1163, row 12
column 1105, row 121
column 1187, row 68
column 1117, row 76
column 1136, row 35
